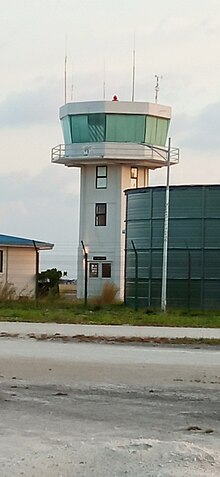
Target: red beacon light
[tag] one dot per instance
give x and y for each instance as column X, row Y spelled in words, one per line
column 115, row 98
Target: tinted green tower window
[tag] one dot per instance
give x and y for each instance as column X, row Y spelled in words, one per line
column 156, row 130
column 66, row 130
column 100, row 127
column 125, row 128
column 88, row 128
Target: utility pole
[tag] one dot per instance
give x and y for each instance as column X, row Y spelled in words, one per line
column 165, row 236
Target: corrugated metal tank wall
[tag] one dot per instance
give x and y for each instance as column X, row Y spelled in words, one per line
column 193, row 247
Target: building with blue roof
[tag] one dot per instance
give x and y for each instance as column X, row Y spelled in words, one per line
column 19, row 263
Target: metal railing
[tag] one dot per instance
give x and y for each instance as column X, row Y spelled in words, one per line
column 142, row 151
column 58, row 152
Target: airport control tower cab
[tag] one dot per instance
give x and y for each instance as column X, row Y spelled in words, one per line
column 114, row 143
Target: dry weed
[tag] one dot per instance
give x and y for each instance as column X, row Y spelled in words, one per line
column 7, row 292
column 107, row 296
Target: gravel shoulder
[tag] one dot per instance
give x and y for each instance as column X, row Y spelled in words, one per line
column 23, row 329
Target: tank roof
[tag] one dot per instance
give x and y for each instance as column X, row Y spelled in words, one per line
column 182, row 186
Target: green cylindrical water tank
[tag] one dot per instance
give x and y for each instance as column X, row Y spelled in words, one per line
column 193, row 279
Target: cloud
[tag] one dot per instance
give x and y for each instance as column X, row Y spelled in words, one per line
column 45, row 204
column 200, row 132
column 34, row 106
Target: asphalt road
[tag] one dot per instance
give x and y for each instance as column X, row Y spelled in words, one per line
column 76, row 409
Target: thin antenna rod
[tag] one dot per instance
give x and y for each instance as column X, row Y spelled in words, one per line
column 104, row 82
column 157, row 87
column 65, row 68
column 72, row 86
column 65, row 71
column 133, row 77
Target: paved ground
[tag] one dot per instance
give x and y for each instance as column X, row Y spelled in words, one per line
column 24, row 329
column 76, row 409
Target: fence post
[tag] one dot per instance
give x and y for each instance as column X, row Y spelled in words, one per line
column 136, row 275
column 86, row 273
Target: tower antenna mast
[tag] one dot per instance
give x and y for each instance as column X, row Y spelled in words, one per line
column 157, row 87
column 65, row 71
column 65, row 65
column 72, row 87
column 133, row 71
column 104, row 81
column 133, row 77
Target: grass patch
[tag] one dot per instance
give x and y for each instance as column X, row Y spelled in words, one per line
column 64, row 311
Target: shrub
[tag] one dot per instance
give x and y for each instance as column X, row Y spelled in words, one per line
column 48, row 282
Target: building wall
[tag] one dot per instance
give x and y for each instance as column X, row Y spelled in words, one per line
column 19, row 269
column 99, row 241
column 104, row 241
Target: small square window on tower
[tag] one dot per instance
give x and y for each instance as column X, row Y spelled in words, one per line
column 101, row 177
column 100, row 214
column 106, row 270
column 93, row 270
column 134, row 177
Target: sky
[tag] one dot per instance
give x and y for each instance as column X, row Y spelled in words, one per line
column 177, row 40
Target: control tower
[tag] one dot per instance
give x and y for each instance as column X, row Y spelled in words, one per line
column 115, row 144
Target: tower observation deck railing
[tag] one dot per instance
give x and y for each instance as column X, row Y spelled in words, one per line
column 64, row 153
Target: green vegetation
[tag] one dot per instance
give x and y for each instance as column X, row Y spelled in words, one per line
column 48, row 282
column 60, row 310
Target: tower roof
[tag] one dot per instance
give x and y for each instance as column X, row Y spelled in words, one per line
column 115, row 107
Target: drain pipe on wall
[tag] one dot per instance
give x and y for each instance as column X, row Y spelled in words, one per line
column 37, row 269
